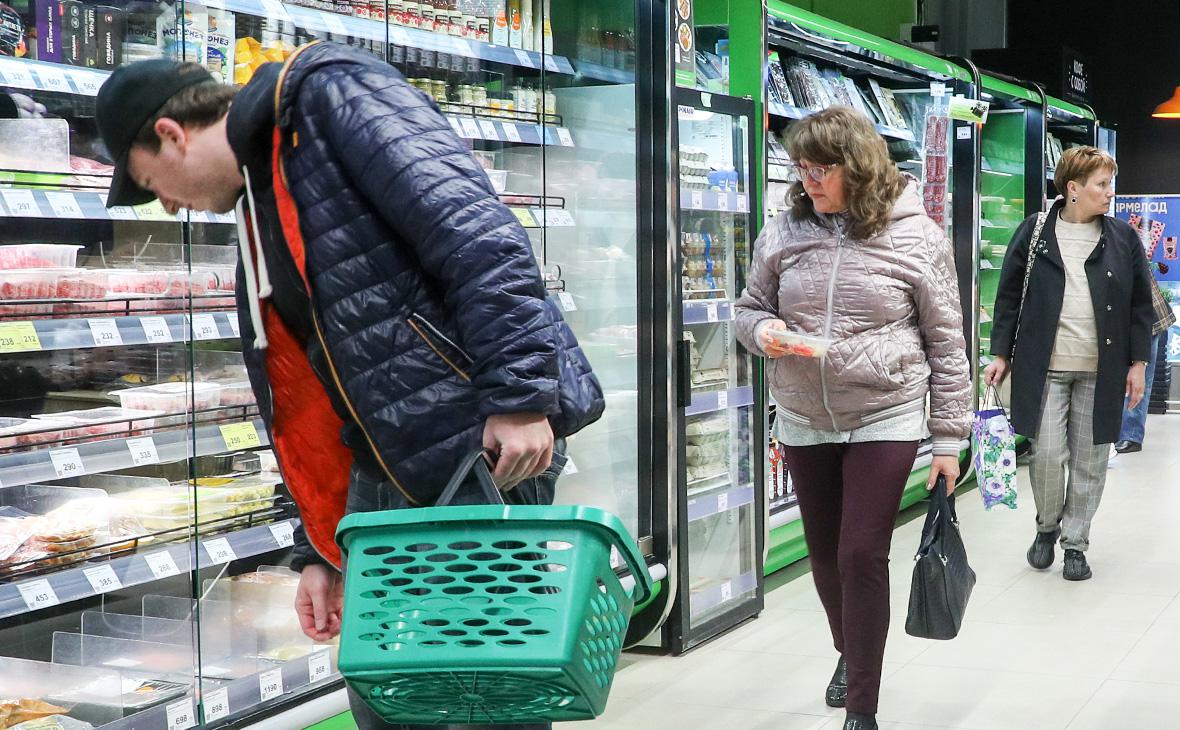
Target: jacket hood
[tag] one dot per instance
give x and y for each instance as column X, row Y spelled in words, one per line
column 250, row 125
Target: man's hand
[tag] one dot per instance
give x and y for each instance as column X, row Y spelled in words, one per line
column 1136, row 379
column 997, row 371
column 319, row 602
column 524, row 443
column 947, row 466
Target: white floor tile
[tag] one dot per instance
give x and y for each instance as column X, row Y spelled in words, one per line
column 1153, row 658
column 1129, row 705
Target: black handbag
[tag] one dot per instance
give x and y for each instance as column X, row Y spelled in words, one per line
column 942, row 579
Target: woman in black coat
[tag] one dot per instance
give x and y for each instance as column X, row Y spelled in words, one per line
column 1079, row 343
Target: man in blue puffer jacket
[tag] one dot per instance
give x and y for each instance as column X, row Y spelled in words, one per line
column 393, row 315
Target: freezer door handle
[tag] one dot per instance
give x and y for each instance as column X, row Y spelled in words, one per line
column 684, row 373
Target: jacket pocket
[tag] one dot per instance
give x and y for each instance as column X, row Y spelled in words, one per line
column 443, row 346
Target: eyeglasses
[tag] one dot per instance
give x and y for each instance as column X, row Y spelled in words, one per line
column 817, row 173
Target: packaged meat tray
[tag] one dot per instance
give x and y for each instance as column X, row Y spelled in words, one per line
column 170, row 397
column 237, row 393
column 99, row 421
column 156, row 283
column 83, row 284
column 29, row 284
column 242, row 489
column 15, row 432
column 39, row 256
column 801, row 345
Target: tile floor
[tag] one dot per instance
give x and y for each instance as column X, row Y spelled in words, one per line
column 1035, row 653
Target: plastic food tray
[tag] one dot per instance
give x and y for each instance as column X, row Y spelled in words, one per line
column 83, row 284
column 170, row 397
column 39, row 256
column 243, row 489
column 31, row 431
column 802, row 345
column 29, row 284
column 237, row 393
column 160, row 282
column 98, row 421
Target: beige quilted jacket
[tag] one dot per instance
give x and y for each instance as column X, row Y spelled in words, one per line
column 890, row 303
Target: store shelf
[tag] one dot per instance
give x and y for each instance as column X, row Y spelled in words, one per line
column 604, row 73
column 783, row 503
column 712, row 200
column 719, row 400
column 236, row 697
column 707, row 599
column 86, row 580
column 90, row 332
column 714, row 504
column 543, row 217
column 91, row 205
column 106, row 455
column 707, row 311
column 20, row 73
column 793, row 112
column 498, row 130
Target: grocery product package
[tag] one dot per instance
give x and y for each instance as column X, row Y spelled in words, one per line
column 220, row 44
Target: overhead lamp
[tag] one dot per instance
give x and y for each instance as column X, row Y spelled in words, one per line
column 1170, row 109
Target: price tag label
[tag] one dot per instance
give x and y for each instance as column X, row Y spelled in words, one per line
column 570, row 467
column 153, row 211
column 53, row 79
column 524, row 59
column 550, row 64
column 525, row 217
column 87, row 83
column 742, row 205
column 15, row 74
column 102, row 579
column 161, row 564
column 234, row 325
column 216, row 704
column 334, row 24
column 143, row 451
column 270, row 684
column 723, row 501
column 319, row 666
column 567, row 301
column 240, row 436
column 275, row 10
column 219, row 550
column 284, row 534
column 455, row 125
column 512, row 133
column 121, row 213
column 156, row 329
column 489, row 130
column 105, row 333
column 722, row 201
column 963, row 133
column 67, row 463
column 64, row 205
column 937, row 88
column 564, row 136
column 559, row 219
column 181, row 715
column 726, row 591
column 722, row 399
column 698, row 200
column 21, row 203
column 205, row 327
column 711, row 312
column 470, row 128
column 18, row 337
column 37, row 594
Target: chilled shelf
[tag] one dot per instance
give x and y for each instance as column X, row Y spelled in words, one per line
column 40, row 76
column 720, row 400
column 707, row 311
column 498, row 130
column 111, row 454
column 792, row 112
column 86, row 580
column 722, row 592
column 702, row 507
column 712, row 200
column 543, row 217
column 604, row 73
column 91, row 205
column 84, row 333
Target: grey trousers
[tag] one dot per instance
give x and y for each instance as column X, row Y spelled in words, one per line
column 1065, row 438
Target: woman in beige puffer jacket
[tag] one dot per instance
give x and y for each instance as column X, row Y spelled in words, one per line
column 857, row 261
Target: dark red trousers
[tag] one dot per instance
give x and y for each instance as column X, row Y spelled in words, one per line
column 849, row 495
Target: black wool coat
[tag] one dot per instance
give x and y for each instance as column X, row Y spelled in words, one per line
column 1121, row 295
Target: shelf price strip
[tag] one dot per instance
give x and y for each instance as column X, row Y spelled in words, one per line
column 240, row 436
column 18, row 337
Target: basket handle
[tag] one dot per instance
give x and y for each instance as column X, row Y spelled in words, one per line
column 475, row 461
column 636, row 564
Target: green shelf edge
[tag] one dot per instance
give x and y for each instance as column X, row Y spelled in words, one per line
column 1069, row 108
column 998, row 86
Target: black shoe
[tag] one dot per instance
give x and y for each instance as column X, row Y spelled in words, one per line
column 1040, row 555
column 838, row 688
column 1076, row 567
column 1128, row 447
column 857, row 721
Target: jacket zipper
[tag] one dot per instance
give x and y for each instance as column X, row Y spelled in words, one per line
column 417, row 322
column 828, row 316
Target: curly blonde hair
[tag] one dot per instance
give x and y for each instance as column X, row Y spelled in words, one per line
column 872, row 183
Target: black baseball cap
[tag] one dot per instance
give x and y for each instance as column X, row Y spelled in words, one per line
column 128, row 99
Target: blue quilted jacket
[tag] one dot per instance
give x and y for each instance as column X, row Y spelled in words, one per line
column 423, row 284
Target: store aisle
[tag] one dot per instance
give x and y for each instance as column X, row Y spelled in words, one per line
column 1036, row 652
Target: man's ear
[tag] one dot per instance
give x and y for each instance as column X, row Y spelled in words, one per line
column 169, row 130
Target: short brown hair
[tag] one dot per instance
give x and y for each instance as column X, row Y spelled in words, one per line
column 198, row 106
column 872, row 183
column 1079, row 163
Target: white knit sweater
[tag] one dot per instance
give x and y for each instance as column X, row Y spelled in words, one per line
column 1076, row 346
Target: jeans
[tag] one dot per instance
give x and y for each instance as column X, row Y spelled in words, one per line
column 1135, row 419
column 368, row 492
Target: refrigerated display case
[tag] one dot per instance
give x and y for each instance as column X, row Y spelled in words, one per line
column 721, row 424
column 1070, row 125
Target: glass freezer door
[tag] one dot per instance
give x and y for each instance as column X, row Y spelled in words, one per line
column 721, row 422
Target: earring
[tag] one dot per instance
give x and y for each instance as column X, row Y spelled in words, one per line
column 1074, row 200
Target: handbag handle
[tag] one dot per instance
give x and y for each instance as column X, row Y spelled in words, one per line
column 991, row 396
column 941, row 510
column 476, row 462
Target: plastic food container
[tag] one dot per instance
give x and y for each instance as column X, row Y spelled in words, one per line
column 154, row 283
column 499, row 180
column 83, row 284
column 29, row 284
column 170, row 397
column 237, row 393
column 243, row 489
column 215, row 278
column 98, row 421
column 39, row 256
column 171, row 501
column 802, row 345
column 16, row 432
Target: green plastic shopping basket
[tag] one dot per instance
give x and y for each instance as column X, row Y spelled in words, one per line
column 485, row 614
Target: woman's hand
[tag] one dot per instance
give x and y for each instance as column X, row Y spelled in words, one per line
column 772, row 347
column 1136, row 383
column 947, row 466
column 996, row 371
